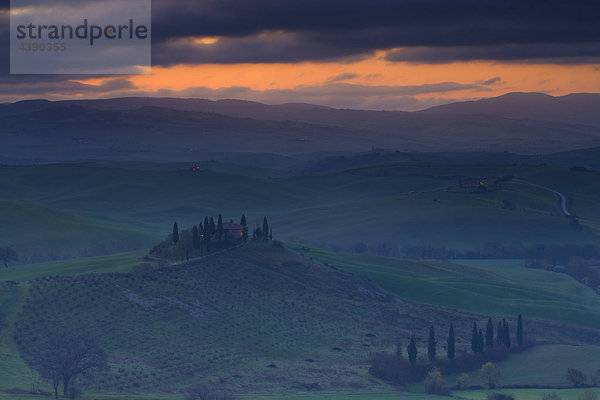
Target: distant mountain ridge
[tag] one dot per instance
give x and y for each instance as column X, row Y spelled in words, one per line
column 576, row 108
column 177, row 129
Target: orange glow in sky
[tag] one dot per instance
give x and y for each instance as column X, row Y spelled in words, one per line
column 552, row 79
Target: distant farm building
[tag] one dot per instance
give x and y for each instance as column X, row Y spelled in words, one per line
column 472, row 182
column 233, row 230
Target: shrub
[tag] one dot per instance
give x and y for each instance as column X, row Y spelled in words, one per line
column 490, row 374
column 396, row 369
column 435, row 384
column 575, row 377
column 463, row 381
column 461, row 363
column 390, row 368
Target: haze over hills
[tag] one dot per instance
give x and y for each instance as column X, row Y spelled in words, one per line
column 172, row 129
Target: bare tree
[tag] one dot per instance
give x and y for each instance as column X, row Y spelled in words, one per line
column 65, row 355
column 8, row 254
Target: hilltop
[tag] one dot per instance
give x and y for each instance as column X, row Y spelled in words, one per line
column 252, row 319
column 264, row 318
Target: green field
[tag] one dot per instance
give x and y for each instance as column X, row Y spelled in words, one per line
column 121, row 262
column 266, row 320
column 524, row 394
column 236, row 313
column 40, row 233
column 99, row 206
column 495, row 288
column 544, row 365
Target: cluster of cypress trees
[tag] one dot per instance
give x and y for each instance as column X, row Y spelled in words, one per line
column 208, row 234
column 479, row 345
column 263, row 233
column 480, row 341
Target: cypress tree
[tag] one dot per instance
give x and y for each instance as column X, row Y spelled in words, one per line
column 431, row 345
column 499, row 334
column 211, row 226
column 244, row 229
column 451, row 343
column 480, row 341
column 175, row 235
column 506, row 332
column 206, row 226
column 265, row 228
column 475, row 338
column 489, row 334
column 220, row 230
column 195, row 237
column 412, row 350
column 520, row 331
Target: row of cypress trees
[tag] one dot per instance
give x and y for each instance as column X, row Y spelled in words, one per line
column 479, row 341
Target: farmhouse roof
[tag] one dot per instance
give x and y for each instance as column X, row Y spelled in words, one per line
column 230, row 226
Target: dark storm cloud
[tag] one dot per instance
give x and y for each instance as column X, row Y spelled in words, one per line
column 59, row 87
column 280, row 47
column 292, row 30
column 463, row 21
column 317, row 29
column 554, row 53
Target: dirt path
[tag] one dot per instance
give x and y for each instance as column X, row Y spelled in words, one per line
column 563, row 198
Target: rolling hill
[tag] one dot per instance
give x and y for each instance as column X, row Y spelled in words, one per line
column 576, row 108
column 41, row 233
column 387, row 206
column 253, row 319
column 154, row 129
column 262, row 318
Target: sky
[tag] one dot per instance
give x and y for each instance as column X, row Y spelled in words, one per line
column 368, row 54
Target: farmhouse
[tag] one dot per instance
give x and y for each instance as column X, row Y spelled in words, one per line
column 232, row 230
column 472, row 183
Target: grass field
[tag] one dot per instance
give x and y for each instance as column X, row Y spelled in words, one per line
column 121, row 262
column 109, row 203
column 524, row 394
column 356, row 395
column 544, row 365
column 500, row 288
column 41, row 233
